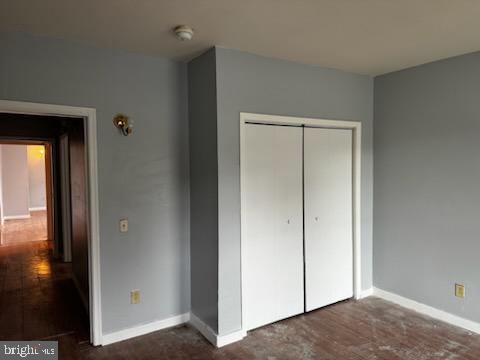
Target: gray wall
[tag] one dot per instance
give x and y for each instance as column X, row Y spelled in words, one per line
column 15, row 180
column 143, row 177
column 202, row 106
column 250, row 83
column 427, row 176
column 36, row 178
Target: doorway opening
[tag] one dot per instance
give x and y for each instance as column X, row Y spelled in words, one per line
column 44, row 248
column 23, row 192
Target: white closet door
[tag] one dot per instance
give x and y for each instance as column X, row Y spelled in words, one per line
column 328, row 216
column 273, row 224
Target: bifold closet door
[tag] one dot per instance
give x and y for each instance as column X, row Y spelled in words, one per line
column 328, row 216
column 273, row 224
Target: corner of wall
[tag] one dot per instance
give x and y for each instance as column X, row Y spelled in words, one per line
column 203, row 187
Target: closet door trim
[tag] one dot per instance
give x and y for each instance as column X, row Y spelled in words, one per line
column 356, row 128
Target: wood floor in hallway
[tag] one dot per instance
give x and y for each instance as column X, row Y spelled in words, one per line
column 38, row 298
column 17, row 231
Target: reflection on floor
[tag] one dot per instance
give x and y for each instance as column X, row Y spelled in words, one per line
column 38, row 299
column 363, row 330
column 23, row 230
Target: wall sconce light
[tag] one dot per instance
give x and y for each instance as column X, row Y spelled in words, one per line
column 121, row 122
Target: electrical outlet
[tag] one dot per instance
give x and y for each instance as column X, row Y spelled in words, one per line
column 134, row 296
column 123, row 225
column 460, row 290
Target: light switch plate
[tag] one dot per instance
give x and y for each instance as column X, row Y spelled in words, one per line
column 124, row 225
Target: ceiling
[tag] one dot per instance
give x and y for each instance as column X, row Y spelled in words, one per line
column 363, row 36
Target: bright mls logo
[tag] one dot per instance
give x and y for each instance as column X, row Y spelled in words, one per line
column 35, row 350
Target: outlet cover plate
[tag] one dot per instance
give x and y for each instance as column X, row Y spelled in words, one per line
column 135, row 296
column 460, row 290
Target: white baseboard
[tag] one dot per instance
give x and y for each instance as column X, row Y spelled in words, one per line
column 211, row 335
column 203, row 328
column 223, row 340
column 16, row 217
column 144, row 329
column 428, row 310
column 38, row 208
column 364, row 294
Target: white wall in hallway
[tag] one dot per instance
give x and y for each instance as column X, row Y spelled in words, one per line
column 1, row 195
column 15, row 192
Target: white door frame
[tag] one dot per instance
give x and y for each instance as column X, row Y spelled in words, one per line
column 90, row 128
column 356, row 128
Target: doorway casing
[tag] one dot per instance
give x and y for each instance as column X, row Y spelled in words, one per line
column 356, row 128
column 90, row 125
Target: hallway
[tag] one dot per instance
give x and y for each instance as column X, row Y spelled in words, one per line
column 38, row 298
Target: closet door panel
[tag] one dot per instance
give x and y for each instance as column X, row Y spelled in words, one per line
column 328, row 216
column 273, row 225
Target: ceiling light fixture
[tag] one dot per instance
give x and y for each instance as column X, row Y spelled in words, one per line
column 183, row 32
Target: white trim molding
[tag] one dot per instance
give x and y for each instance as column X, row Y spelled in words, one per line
column 223, row 340
column 428, row 310
column 203, row 328
column 37, row 208
column 215, row 339
column 16, row 217
column 144, row 329
column 356, row 127
column 365, row 293
column 90, row 122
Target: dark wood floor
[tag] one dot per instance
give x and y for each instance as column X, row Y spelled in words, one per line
column 38, row 301
column 366, row 329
